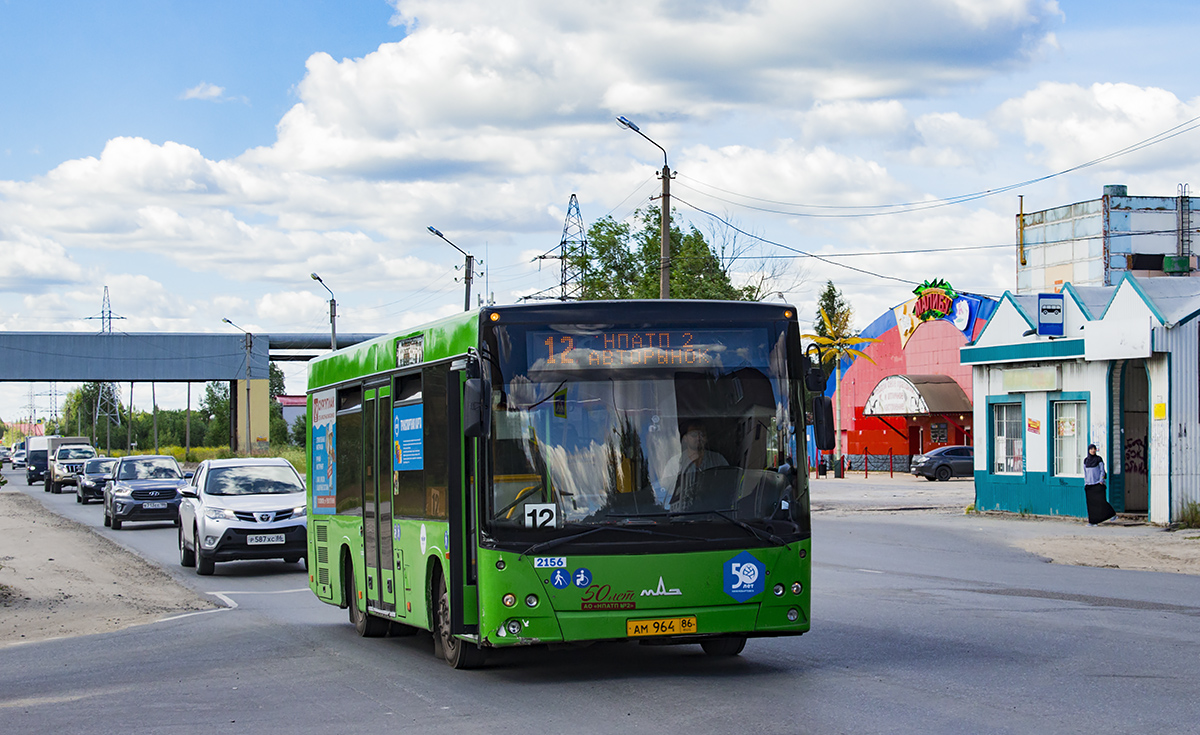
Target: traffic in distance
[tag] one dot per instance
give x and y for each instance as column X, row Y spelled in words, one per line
column 241, row 508
column 568, row 473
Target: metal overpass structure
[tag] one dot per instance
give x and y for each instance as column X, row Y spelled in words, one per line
column 175, row 357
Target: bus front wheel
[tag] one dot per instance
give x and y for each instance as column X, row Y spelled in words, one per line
column 458, row 653
column 368, row 626
column 731, row 646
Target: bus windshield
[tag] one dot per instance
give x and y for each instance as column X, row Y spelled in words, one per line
column 691, row 428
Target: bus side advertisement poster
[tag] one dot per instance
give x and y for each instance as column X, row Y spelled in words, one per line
column 408, row 438
column 324, row 452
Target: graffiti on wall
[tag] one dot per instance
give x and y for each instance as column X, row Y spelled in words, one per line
column 1135, row 457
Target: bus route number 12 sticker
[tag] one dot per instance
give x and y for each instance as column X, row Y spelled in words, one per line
column 541, row 515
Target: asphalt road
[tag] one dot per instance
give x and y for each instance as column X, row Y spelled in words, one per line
column 922, row 623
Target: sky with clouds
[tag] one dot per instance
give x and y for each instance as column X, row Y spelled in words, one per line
column 201, row 159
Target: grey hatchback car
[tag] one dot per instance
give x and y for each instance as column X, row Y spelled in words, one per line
column 945, row 462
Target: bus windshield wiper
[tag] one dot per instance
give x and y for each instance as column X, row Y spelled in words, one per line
column 761, row 533
column 542, row 546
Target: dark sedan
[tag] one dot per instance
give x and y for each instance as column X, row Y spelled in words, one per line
column 143, row 488
column 945, row 462
column 91, row 480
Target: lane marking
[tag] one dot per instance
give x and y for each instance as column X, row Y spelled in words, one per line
column 230, row 603
column 869, row 571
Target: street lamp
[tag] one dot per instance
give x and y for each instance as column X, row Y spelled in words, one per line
column 332, row 312
column 470, row 266
column 664, row 257
column 249, row 343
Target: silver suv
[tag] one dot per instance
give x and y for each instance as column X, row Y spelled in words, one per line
column 249, row 508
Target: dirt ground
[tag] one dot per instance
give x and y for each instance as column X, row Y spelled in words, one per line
column 1156, row 550
column 59, row 578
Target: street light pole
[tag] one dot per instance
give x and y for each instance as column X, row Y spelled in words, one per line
column 332, row 312
column 470, row 266
column 249, row 344
column 664, row 255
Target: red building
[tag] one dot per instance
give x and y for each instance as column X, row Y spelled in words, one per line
column 916, row 396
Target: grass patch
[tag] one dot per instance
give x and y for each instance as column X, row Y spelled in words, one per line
column 1189, row 515
column 296, row 455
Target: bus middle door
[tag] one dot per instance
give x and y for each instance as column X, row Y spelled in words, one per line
column 377, row 500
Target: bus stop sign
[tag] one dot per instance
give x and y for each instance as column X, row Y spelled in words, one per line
column 1050, row 314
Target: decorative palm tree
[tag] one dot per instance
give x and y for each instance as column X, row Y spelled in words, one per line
column 840, row 342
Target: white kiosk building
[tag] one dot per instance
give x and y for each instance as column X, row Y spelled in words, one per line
column 1116, row 366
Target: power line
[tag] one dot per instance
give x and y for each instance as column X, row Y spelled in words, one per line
column 906, row 207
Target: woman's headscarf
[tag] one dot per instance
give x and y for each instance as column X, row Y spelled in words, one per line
column 1091, row 460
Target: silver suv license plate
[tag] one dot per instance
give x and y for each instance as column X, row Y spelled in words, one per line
column 266, row 538
column 154, row 506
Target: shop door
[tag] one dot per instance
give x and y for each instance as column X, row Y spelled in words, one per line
column 1135, row 454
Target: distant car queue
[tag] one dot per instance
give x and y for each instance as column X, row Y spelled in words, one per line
column 226, row 510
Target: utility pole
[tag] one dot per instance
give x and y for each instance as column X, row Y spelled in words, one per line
column 470, row 266
column 664, row 254
column 332, row 312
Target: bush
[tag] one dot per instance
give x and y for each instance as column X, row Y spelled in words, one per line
column 1189, row 515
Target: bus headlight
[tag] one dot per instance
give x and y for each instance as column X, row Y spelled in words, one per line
column 797, row 588
column 793, row 615
column 778, row 590
column 509, row 600
column 531, row 600
column 514, row 627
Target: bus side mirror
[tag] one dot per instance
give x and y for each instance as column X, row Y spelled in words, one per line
column 814, row 378
column 823, row 422
column 477, row 408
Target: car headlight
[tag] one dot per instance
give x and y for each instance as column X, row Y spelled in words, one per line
column 218, row 514
column 299, row 512
column 121, row 490
column 89, row 483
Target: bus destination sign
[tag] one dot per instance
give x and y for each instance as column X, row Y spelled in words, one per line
column 651, row 348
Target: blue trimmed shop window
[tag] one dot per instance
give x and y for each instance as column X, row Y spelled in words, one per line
column 1008, row 439
column 1070, row 437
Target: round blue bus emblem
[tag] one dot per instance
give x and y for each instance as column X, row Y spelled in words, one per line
column 745, row 576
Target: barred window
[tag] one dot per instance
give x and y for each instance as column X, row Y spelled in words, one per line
column 1008, row 438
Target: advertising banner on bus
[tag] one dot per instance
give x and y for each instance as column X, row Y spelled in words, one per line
column 408, row 438
column 324, row 452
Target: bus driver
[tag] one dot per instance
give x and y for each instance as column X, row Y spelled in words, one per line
column 694, row 457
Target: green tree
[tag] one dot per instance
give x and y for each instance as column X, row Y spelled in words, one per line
column 838, row 342
column 622, row 262
column 300, row 430
column 214, row 407
column 276, row 382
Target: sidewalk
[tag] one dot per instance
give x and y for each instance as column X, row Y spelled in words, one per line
column 879, row 492
column 1128, row 543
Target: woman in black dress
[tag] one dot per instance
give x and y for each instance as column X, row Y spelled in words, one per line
column 1094, row 490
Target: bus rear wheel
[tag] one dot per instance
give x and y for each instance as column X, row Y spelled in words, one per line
column 730, row 646
column 458, row 653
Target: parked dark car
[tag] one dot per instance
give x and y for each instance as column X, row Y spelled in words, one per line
column 143, row 488
column 35, row 466
column 945, row 462
column 92, row 479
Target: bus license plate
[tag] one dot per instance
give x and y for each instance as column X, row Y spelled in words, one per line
column 154, row 506
column 661, row 626
column 266, row 538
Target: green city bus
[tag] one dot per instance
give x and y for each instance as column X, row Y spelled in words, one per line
column 562, row 473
